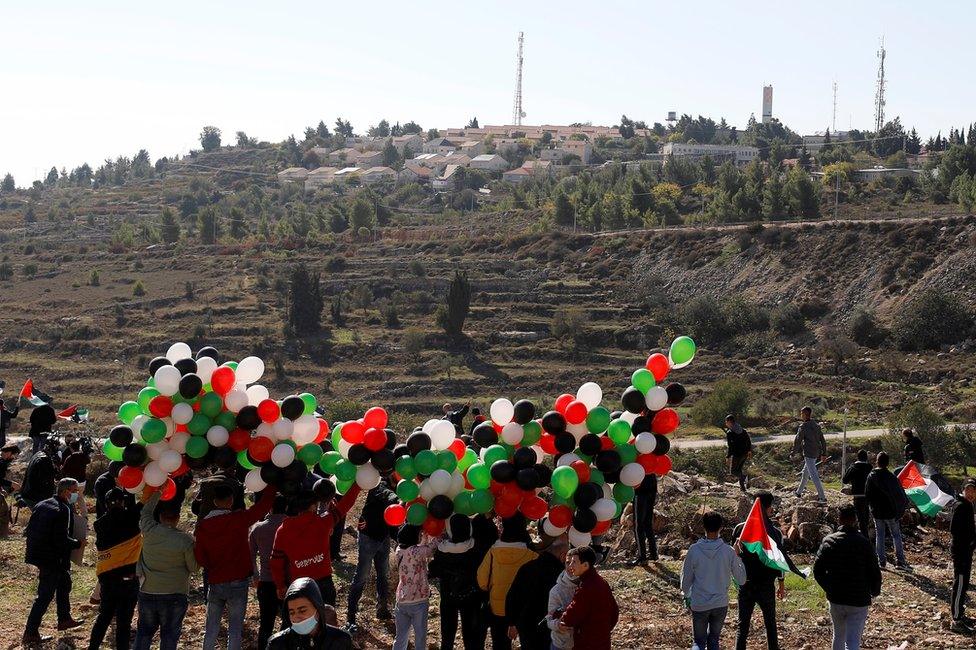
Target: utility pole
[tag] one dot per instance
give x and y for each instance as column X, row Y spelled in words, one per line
column 833, row 121
column 517, row 112
column 879, row 98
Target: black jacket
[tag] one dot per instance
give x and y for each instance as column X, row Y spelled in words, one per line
column 739, row 442
column 328, row 637
column 457, row 418
column 39, row 479
column 5, row 418
column 963, row 529
column 528, row 599
column 42, row 418
column 48, row 533
column 914, row 451
column 757, row 573
column 113, row 528
column 885, row 495
column 648, row 487
column 456, row 567
column 847, row 568
column 377, row 500
column 856, row 476
column 103, row 484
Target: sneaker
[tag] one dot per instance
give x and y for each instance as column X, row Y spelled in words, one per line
column 70, row 624
column 960, row 627
column 904, row 566
column 31, row 640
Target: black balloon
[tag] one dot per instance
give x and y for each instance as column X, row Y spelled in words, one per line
column 641, row 424
column 400, row 450
column 326, row 446
column 676, row 393
column 503, row 471
column 554, row 422
column 663, row 444
column 120, row 436
column 527, row 478
column 417, row 442
column 296, row 471
column 186, row 366
column 590, row 444
column 190, row 385
column 440, row 507
column 324, row 489
column 271, row 474
column 608, row 460
column 225, row 457
column 114, row 467
column 485, row 434
column 612, row 477
column 587, row 494
column 292, row 407
column 383, row 461
column 158, row 363
column 524, row 411
column 134, row 455
column 565, row 443
column 208, row 352
column 391, row 440
column 584, row 520
column 523, row 457
column 359, row 454
column 248, row 418
column 633, row 400
column 544, row 472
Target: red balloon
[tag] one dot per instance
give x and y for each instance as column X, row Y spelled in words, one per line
column 457, row 448
column 260, row 448
column 548, row 443
column 269, row 411
column 222, row 380
column 663, row 465
column 434, row 527
column 395, row 515
column 353, row 432
column 505, row 509
column 239, row 439
column 169, row 490
column 561, row 516
column 129, row 477
column 498, row 428
column 375, row 418
column 161, row 406
column 324, row 431
column 665, row 421
column 582, row 470
column 606, row 442
column 575, row 412
column 374, row 439
column 648, row 462
column 181, row 428
column 534, row 507
column 659, row 366
column 496, row 488
column 563, row 401
column 600, row 528
column 510, row 494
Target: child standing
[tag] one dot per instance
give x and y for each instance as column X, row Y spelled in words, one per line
column 413, row 591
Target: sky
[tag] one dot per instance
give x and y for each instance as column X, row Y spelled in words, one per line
column 81, row 82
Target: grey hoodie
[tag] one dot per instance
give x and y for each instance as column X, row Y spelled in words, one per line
column 706, row 572
column 559, row 598
column 810, row 440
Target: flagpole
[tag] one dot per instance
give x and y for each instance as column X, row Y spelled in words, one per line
column 843, row 453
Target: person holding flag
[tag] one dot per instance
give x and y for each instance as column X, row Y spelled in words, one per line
column 963, row 530
column 42, row 418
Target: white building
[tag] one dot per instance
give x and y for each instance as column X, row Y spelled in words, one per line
column 740, row 154
column 320, row 177
column 447, row 180
column 489, row 162
column 292, row 175
column 377, row 175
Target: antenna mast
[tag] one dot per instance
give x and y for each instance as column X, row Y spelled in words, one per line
column 833, row 123
column 517, row 112
column 879, row 100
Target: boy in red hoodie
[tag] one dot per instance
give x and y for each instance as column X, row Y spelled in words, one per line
column 593, row 612
column 301, row 546
column 222, row 549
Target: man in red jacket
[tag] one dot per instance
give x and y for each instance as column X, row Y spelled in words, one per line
column 222, row 549
column 593, row 613
column 301, row 546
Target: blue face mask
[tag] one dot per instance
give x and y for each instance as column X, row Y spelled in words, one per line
column 305, row 627
column 73, row 498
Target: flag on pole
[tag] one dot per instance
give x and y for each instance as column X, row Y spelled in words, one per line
column 756, row 539
column 923, row 492
column 74, row 413
column 27, row 394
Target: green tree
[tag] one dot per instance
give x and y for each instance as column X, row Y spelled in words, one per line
column 455, row 310
column 563, row 210
column 381, row 130
column 93, row 278
column 917, row 415
column 170, row 230
column 304, row 314
column 773, row 205
column 343, row 128
column 8, row 184
column 433, row 134
column 391, row 157
column 139, row 290
column 412, row 127
column 208, row 222
column 238, row 226
column 929, row 320
column 52, row 177
column 472, row 123
column 210, row 138
column 361, row 297
column 728, row 396
column 362, row 214
column 244, row 142
column 802, row 195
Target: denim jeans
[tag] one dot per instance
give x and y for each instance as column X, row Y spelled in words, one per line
column 52, row 581
column 411, row 615
column 810, row 471
column 879, row 539
column 231, row 596
column 118, row 601
column 706, row 627
column 848, row 626
column 163, row 612
column 371, row 552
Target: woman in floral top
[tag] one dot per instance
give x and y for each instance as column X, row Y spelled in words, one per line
column 413, row 591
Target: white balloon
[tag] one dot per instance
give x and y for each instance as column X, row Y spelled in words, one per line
column 442, row 434
column 306, row 429
column 265, row 430
column 344, row 447
column 632, row 474
column 457, row 484
column 218, row 436
column 249, row 370
column 590, row 394
column 577, row 538
column 551, row 530
column 512, row 433
column 367, row 477
column 578, row 430
column 178, row 442
column 170, row 426
column 137, row 489
column 155, row 449
column 235, row 400
column 257, row 394
column 182, row 413
column 426, row 490
column 502, row 411
column 645, row 442
column 253, row 481
column 539, row 454
column 170, row 461
column 153, row 474
column 137, row 423
column 656, row 398
column 440, row 481
column 178, row 351
column 205, row 368
column 282, row 455
column 167, row 380
column 628, row 417
column 283, row 429
column 567, row 459
column 429, row 426
column 604, row 509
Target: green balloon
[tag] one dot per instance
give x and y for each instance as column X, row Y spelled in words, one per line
column 628, row 453
column 643, row 380
column 153, row 430
column 227, row 420
column 111, row 451
column 559, row 501
column 407, row 490
column 564, row 481
column 405, row 467
column 151, row 382
column 622, row 493
column 482, row 501
column 290, row 443
column 310, row 403
column 446, row 460
column 310, row 454
column 463, row 503
column 243, row 460
column 196, row 447
column 619, row 431
column 596, row 476
column 232, row 365
column 345, row 471
column 329, row 462
column 493, row 454
column 479, row 476
column 682, row 350
column 531, row 433
column 425, row 462
column 128, row 412
column 597, row 420
column 146, row 395
column 343, row 486
column 211, row 405
column 416, row 514
column 467, row 460
column 199, row 424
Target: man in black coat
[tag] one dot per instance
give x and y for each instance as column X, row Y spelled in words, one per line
column 760, row 588
column 6, row 415
column 888, row 502
column 528, row 597
column 42, row 419
column 913, row 447
column 374, row 549
column 119, row 542
column 49, row 546
column 455, row 567
column 39, row 479
column 856, row 476
column 645, row 498
column 308, row 615
column 739, row 450
column 963, row 530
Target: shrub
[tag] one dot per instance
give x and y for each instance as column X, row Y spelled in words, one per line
column 787, row 320
column 727, row 396
column 30, row 270
column 139, row 290
column 414, row 341
column 390, row 315
column 570, row 325
column 336, row 263
column 931, row 320
column 814, row 307
column 864, row 330
column 6, row 271
column 93, row 279
column 704, row 321
column 940, row 444
column 417, row 268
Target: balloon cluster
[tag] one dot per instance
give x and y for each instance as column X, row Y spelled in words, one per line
column 360, row 451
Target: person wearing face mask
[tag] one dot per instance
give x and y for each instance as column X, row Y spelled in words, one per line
column 307, row 617
column 49, row 546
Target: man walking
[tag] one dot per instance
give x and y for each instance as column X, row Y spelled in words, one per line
column 49, row 546
column 888, row 502
column 593, row 612
column 963, row 529
column 856, row 476
column 847, row 569
column 739, row 450
column 528, row 596
column 42, row 419
column 261, row 539
column 810, row 442
column 645, row 498
column 374, row 550
column 760, row 588
column 708, row 569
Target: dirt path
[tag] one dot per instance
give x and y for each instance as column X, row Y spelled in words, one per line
column 788, row 438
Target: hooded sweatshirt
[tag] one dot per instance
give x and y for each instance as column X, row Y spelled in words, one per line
column 856, row 476
column 706, row 572
column 738, row 441
column 455, row 564
column 560, row 596
column 327, row 638
column 498, row 569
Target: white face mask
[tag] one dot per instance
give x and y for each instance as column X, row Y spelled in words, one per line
column 306, row 626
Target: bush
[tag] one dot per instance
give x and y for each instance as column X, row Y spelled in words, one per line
column 814, row 307
column 570, row 325
column 93, row 279
column 940, row 444
column 704, row 321
column 787, row 320
column 414, row 341
column 930, row 320
column 417, row 268
column 727, row 396
column 30, row 270
column 864, row 330
column 139, row 290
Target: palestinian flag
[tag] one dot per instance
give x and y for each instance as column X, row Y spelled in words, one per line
column 756, row 539
column 923, row 492
column 74, row 413
column 27, row 395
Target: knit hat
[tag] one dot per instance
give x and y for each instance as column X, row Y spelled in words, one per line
column 459, row 529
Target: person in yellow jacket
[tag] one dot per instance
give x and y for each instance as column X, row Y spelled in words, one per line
column 497, row 571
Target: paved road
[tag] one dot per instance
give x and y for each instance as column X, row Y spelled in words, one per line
column 787, row 438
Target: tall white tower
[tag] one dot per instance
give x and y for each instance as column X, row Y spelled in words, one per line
column 767, row 109
column 517, row 112
column 879, row 98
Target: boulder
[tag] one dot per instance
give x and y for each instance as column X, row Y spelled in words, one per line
column 743, row 507
column 811, row 534
column 661, row 522
column 806, row 514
